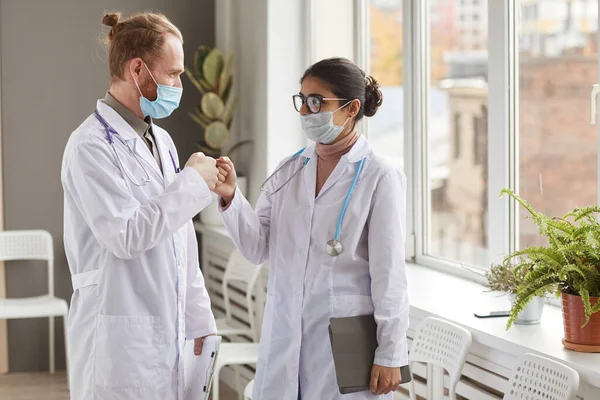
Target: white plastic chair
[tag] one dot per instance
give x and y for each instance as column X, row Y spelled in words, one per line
column 442, row 344
column 233, row 354
column 243, row 272
column 34, row 245
column 539, row 378
column 248, row 390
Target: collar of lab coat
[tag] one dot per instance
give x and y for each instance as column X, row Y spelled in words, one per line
column 116, row 121
column 127, row 133
column 360, row 150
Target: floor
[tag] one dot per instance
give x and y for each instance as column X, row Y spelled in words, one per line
column 38, row 386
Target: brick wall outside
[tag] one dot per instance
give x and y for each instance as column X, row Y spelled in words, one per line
column 558, row 150
column 558, row 147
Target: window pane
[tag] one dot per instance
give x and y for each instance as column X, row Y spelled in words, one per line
column 558, row 156
column 386, row 128
column 456, row 210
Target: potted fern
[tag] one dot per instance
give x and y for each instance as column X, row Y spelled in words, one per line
column 568, row 265
column 211, row 74
column 506, row 278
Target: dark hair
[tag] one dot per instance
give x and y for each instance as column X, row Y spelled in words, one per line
column 347, row 81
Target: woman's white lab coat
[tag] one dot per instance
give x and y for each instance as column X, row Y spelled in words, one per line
column 307, row 286
column 132, row 252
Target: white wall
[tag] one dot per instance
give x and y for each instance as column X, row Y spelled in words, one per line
column 241, row 29
column 268, row 40
column 334, row 29
column 286, row 62
column 53, row 69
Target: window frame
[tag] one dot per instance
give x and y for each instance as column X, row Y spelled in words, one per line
column 502, row 134
column 502, row 126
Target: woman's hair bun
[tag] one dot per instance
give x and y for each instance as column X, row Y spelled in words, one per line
column 373, row 96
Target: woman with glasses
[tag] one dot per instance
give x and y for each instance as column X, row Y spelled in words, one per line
column 331, row 224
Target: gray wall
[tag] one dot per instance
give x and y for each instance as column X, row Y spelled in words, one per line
column 53, row 70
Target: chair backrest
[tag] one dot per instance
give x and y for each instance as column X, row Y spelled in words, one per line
column 443, row 344
column 29, row 245
column 536, row 377
column 240, row 270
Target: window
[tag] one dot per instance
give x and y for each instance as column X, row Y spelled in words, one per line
column 558, row 156
column 456, row 134
column 480, row 138
column 386, row 129
column 517, row 86
column 456, row 190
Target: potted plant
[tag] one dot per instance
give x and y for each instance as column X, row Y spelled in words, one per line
column 569, row 265
column 212, row 76
column 506, row 278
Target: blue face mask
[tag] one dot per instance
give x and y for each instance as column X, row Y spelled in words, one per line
column 167, row 100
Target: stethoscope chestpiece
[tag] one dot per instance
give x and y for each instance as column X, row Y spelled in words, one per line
column 334, row 248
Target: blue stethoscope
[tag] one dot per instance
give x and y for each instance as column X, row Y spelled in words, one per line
column 110, row 131
column 334, row 246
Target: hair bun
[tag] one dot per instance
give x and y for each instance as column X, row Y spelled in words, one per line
column 111, row 19
column 373, row 96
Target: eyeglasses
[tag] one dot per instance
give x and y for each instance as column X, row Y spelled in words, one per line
column 313, row 101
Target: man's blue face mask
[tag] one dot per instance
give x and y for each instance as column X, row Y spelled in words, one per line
column 167, row 99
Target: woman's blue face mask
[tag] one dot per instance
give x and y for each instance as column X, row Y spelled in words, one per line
column 167, row 99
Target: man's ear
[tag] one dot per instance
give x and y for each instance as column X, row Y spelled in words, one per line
column 135, row 68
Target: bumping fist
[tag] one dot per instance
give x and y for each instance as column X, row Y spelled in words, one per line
column 226, row 189
column 207, row 168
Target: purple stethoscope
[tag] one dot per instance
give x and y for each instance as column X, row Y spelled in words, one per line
column 110, row 131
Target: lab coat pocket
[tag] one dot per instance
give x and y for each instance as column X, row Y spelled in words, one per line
column 126, row 354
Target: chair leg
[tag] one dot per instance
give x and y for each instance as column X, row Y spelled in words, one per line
column 51, row 345
column 66, row 349
column 452, row 393
column 237, row 382
column 430, row 381
column 215, row 383
column 411, row 390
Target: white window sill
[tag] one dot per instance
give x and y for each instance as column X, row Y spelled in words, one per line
column 438, row 293
column 435, row 293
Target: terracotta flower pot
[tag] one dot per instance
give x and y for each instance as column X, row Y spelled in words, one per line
column 585, row 339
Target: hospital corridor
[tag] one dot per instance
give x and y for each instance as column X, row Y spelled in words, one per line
column 299, row 200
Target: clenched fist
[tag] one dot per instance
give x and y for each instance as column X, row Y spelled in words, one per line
column 207, row 168
column 228, row 185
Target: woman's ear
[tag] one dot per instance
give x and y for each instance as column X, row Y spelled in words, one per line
column 354, row 108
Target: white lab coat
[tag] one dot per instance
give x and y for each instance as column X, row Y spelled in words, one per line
column 307, row 286
column 133, row 256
